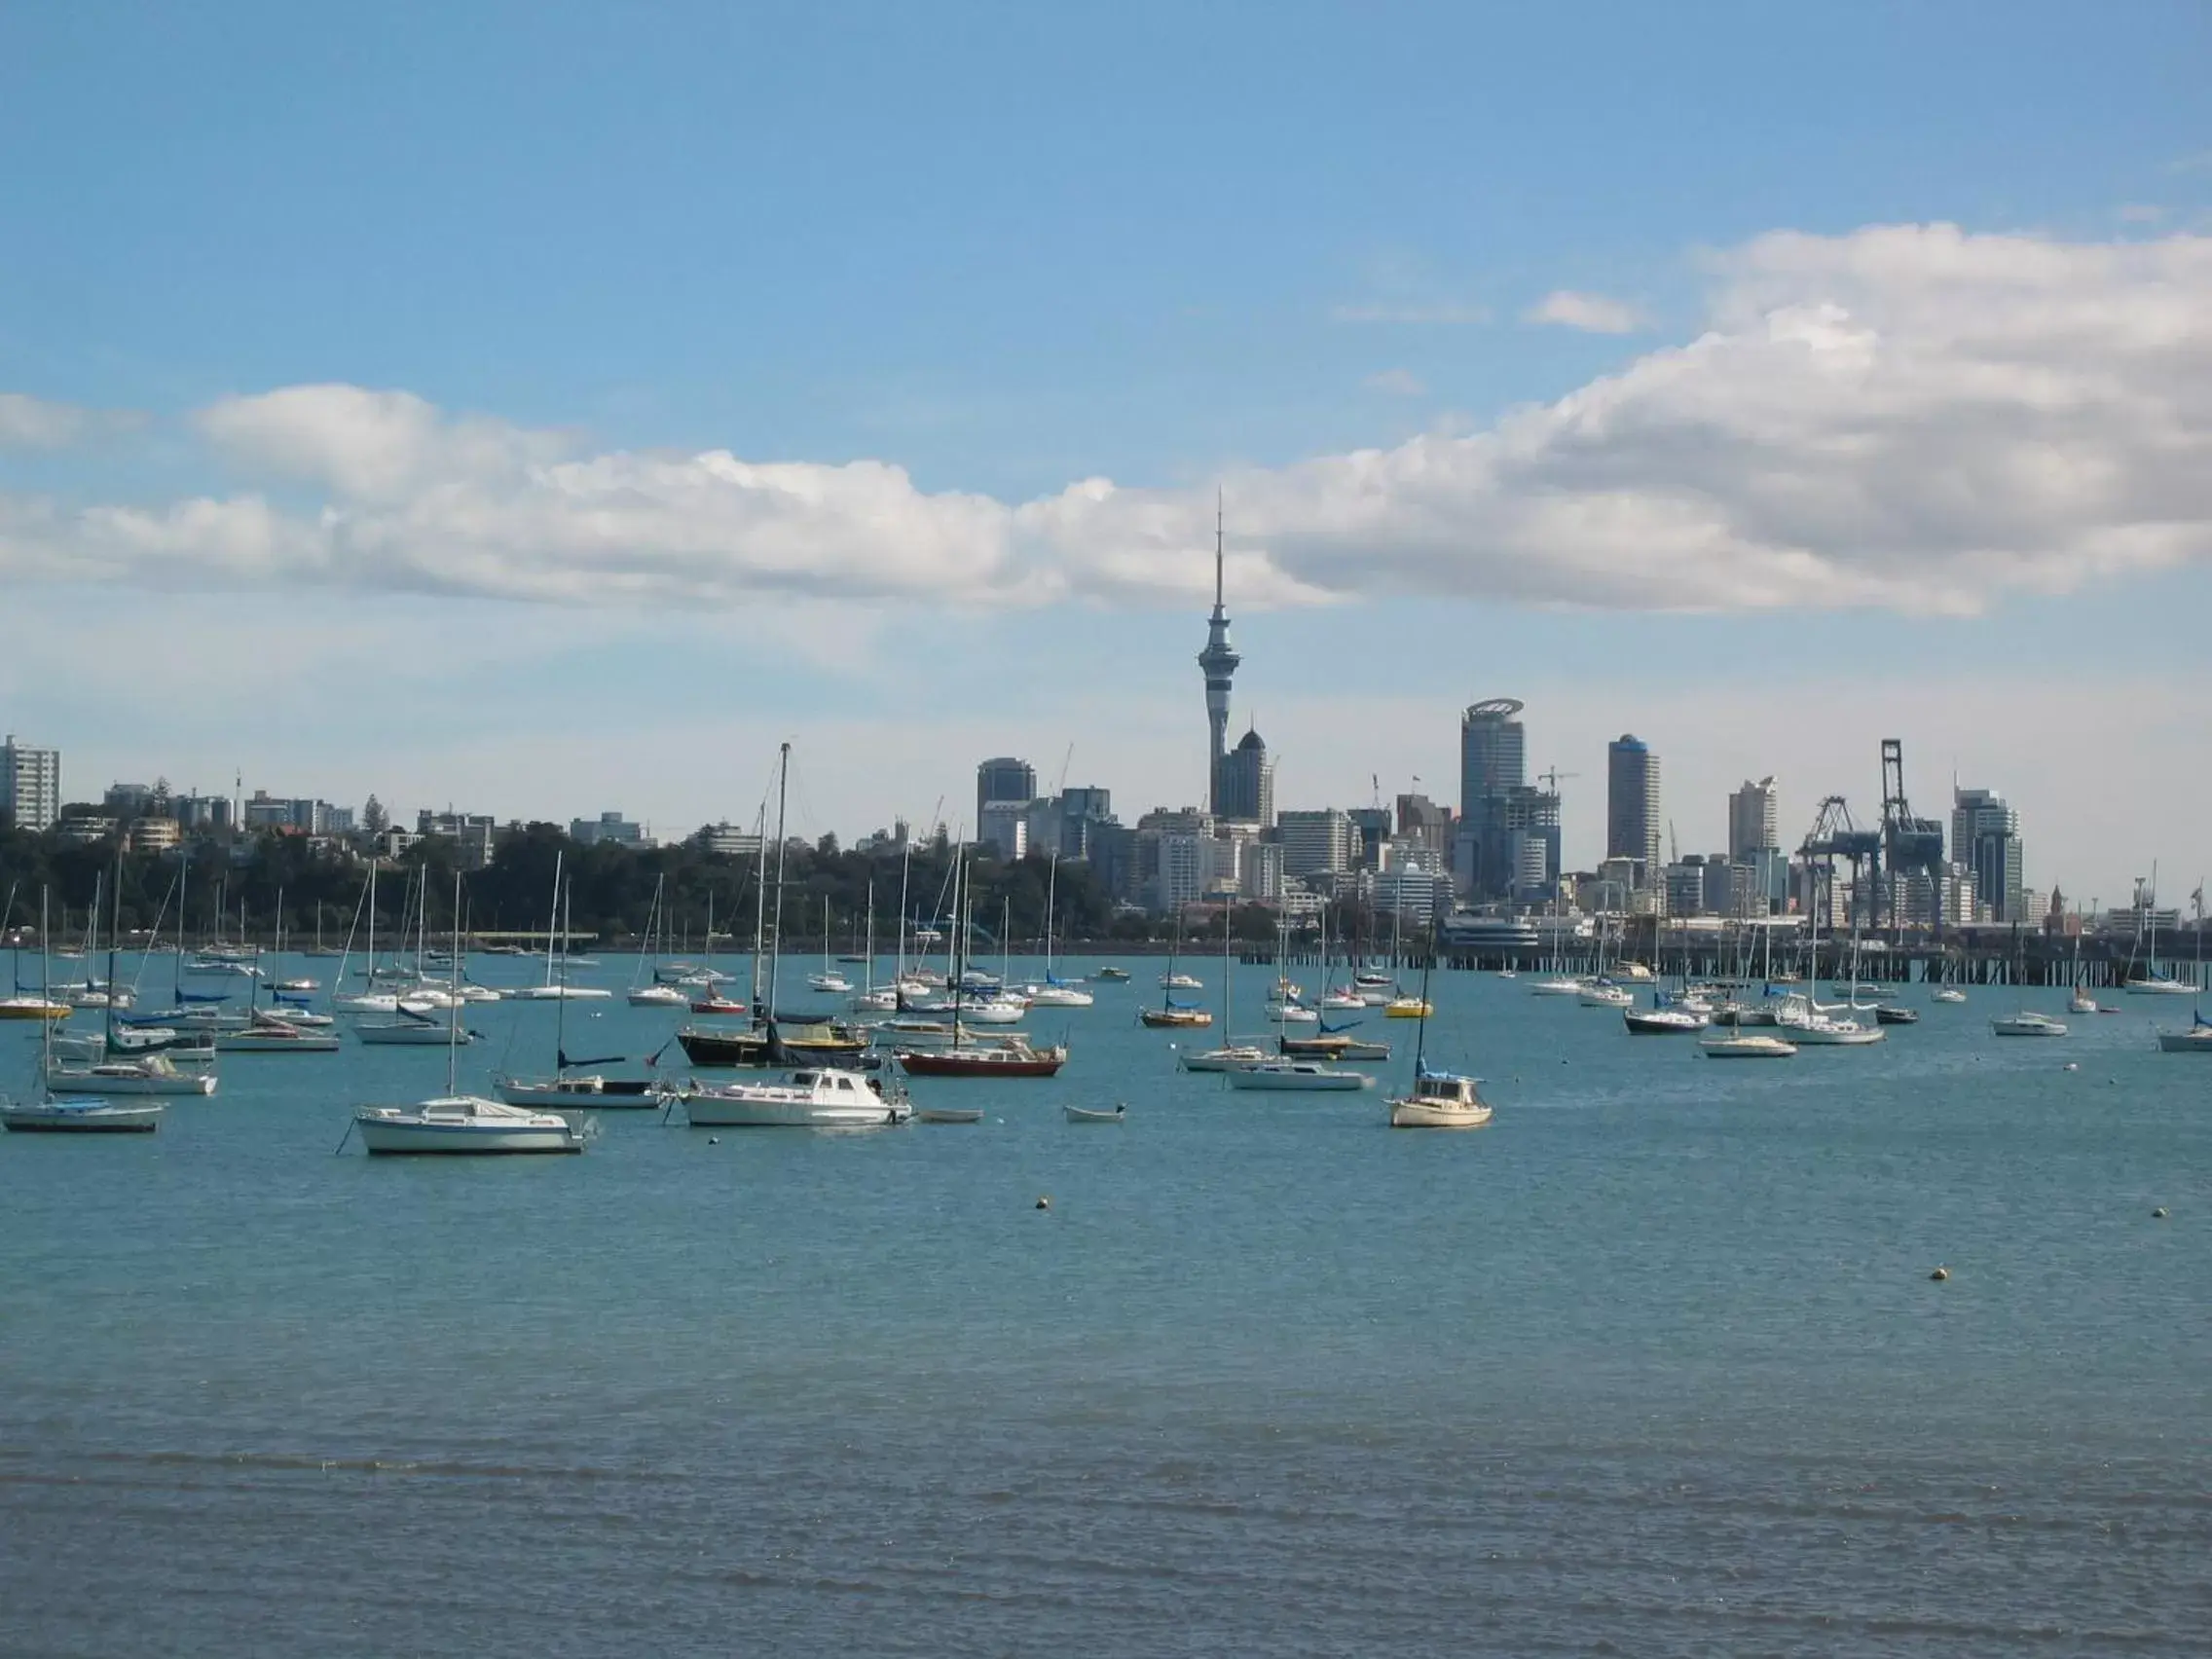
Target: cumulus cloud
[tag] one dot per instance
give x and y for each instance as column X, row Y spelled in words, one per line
column 1908, row 417
column 34, row 422
column 1592, row 314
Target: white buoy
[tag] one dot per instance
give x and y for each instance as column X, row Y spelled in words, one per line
column 1940, row 1274
column 1044, row 1203
column 2158, row 1214
column 713, row 1140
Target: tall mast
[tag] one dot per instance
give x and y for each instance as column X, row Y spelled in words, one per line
column 760, row 908
column 776, row 952
column 453, row 988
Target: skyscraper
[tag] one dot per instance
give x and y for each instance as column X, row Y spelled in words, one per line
column 1632, row 802
column 1493, row 752
column 1985, row 838
column 1218, row 662
column 1244, row 783
column 1753, row 826
column 1003, row 778
column 30, row 785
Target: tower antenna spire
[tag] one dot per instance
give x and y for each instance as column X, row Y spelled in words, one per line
column 1217, row 524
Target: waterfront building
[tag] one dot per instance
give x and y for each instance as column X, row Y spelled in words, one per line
column 1493, row 751
column 1316, row 842
column 1421, row 819
column 30, row 785
column 148, row 835
column 471, row 833
column 726, row 840
column 1985, row 838
column 609, row 829
column 1632, row 801
column 1003, row 777
column 1244, row 783
column 1004, row 827
column 1752, row 822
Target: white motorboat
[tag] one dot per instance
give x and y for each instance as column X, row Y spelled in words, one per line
column 155, row 1074
column 1181, row 983
column 659, row 996
column 1297, row 1075
column 80, row 1117
column 469, row 1124
column 1556, row 987
column 588, row 1091
column 1228, row 1057
column 1602, row 993
column 1440, row 1100
column 1949, row 994
column 994, row 1010
column 2028, row 1023
column 1755, row 1047
column 822, row 1099
column 1292, row 1013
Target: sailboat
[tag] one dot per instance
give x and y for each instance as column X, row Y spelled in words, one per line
column 1171, row 1014
column 24, row 1004
column 2151, row 982
column 560, row 990
column 1438, row 1100
column 1010, row 1055
column 829, row 981
column 570, row 1085
column 1232, row 1053
column 1055, row 992
column 56, row 1114
column 456, row 1123
column 648, row 989
column 117, row 1072
column 763, row 1042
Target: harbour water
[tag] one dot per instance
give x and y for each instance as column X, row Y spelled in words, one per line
column 1653, row 1365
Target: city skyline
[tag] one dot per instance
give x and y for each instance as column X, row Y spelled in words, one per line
column 1764, row 440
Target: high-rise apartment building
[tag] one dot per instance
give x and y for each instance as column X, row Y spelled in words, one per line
column 1244, row 783
column 1754, row 825
column 30, row 785
column 1315, row 841
column 1985, row 838
column 1493, row 752
column 1003, row 778
column 1632, row 802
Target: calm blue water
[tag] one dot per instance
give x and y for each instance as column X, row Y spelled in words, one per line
column 1651, row 1366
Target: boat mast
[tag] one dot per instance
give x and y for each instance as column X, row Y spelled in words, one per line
column 453, row 986
column 905, row 868
column 759, row 911
column 114, row 927
column 776, row 952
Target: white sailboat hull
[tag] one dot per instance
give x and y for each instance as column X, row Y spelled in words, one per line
column 1297, row 1079
column 101, row 1080
column 81, row 1118
column 465, row 1139
column 1437, row 1115
column 412, row 1036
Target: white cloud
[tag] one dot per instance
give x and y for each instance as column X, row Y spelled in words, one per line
column 1906, row 417
column 34, row 422
column 1397, row 383
column 1592, row 313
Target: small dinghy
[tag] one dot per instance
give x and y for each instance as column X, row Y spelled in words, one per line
column 948, row 1115
column 1086, row 1115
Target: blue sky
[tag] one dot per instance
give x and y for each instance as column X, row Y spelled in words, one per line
column 1007, row 249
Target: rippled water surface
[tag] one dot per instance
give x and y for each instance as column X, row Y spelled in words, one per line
column 1654, row 1365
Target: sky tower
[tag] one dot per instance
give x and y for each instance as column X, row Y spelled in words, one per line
column 1219, row 662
